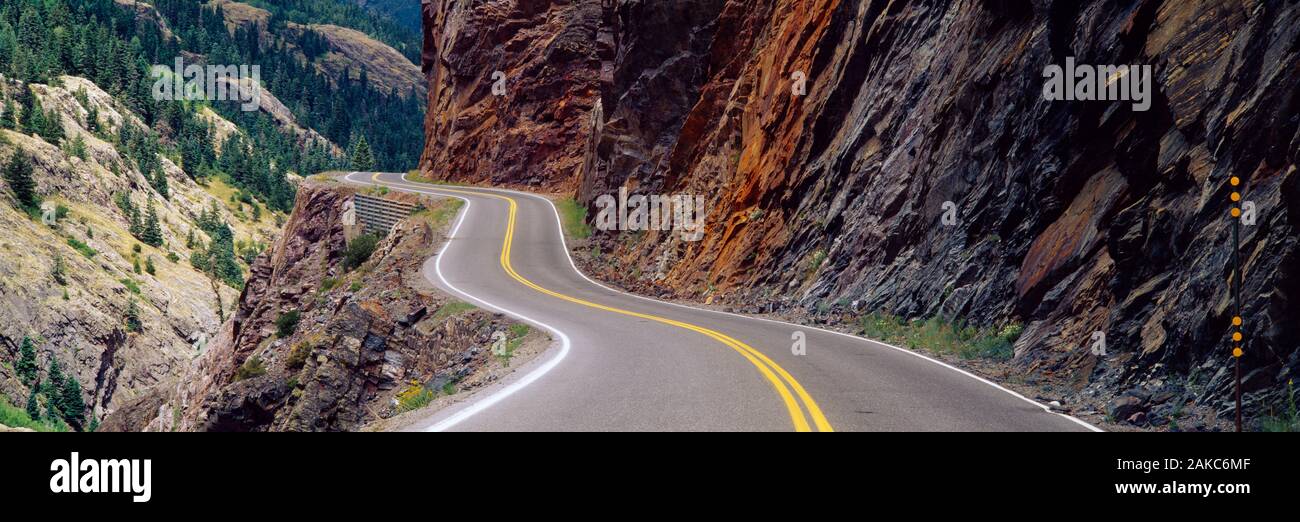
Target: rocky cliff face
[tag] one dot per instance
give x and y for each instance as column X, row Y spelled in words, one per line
column 363, row 336
column 511, row 90
column 1071, row 218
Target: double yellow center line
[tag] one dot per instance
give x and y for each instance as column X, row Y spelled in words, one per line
column 770, row 370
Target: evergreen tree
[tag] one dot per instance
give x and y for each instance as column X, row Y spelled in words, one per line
column 9, row 120
column 25, row 101
column 33, row 406
column 51, row 127
column 133, row 323
column 77, row 147
column 362, row 160
column 60, row 270
column 52, row 387
column 71, row 404
column 160, row 183
column 151, row 234
column 92, row 120
column 148, row 266
column 18, row 174
column 27, row 369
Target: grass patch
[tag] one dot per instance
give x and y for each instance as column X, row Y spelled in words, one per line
column 440, row 215
column 414, row 397
column 253, row 367
column 574, row 217
column 298, row 355
column 419, row 177
column 1289, row 420
column 452, row 308
column 16, row 417
column 416, row 176
column 131, row 285
column 328, row 284
column 518, row 331
column 942, row 337
column 815, row 261
column 82, row 248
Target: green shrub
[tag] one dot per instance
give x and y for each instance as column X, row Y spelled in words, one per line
column 328, row 284
column 574, row 217
column 1289, row 420
column 298, row 355
column 253, row 367
column 414, row 397
column 131, row 285
column 942, row 337
column 83, row 248
column 287, row 323
column 359, row 251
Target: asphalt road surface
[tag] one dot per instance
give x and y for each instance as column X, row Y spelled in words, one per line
column 628, row 363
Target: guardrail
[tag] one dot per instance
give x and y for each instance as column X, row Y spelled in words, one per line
column 379, row 215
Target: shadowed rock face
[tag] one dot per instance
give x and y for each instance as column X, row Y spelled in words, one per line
column 1072, row 217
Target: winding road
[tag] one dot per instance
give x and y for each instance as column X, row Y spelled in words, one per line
column 628, row 363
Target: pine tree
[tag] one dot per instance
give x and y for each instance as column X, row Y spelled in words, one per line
column 189, row 237
column 136, row 225
column 18, row 173
column 362, row 160
column 51, row 127
column 9, row 120
column 148, row 266
column 133, row 323
column 92, row 120
column 33, row 406
column 71, row 404
column 77, row 147
column 25, row 101
column 152, row 231
column 27, row 369
column 159, row 182
column 60, row 271
column 52, row 387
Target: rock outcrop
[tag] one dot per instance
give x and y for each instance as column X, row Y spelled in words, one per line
column 830, row 138
column 362, row 337
column 511, row 90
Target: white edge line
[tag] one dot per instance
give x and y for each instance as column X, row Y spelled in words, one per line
column 563, row 241
column 478, row 405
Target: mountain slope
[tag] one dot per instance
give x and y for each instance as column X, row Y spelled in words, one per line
column 157, row 207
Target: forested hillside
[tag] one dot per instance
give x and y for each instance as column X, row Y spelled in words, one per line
column 132, row 219
column 405, row 12
column 112, row 46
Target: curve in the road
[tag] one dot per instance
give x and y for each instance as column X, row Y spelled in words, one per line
column 768, row 368
column 898, row 387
